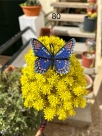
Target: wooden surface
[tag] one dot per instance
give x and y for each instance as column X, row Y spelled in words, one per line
column 79, row 48
column 73, row 0
column 68, row 17
column 72, row 31
column 97, row 81
column 98, row 37
column 89, row 71
column 70, row 4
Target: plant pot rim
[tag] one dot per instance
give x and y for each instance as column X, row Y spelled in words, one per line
column 30, row 6
column 85, row 53
column 86, row 17
column 90, row 81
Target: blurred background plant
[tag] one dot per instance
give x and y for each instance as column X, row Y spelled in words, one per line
column 92, row 10
column 31, row 3
column 15, row 119
column 91, row 44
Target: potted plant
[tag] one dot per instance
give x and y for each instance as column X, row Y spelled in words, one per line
column 89, row 83
column 92, row 1
column 15, row 119
column 91, row 19
column 89, row 87
column 90, row 43
column 46, row 31
column 88, row 58
column 31, row 7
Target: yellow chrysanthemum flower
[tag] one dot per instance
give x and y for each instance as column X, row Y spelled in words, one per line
column 46, row 89
column 55, row 94
column 67, row 105
column 39, row 104
column 71, row 112
column 49, row 113
column 62, row 115
column 53, row 100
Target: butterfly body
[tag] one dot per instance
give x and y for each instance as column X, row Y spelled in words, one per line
column 46, row 59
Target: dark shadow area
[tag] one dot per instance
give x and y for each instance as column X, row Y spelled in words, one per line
column 9, row 24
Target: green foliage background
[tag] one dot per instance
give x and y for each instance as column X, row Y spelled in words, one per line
column 14, row 117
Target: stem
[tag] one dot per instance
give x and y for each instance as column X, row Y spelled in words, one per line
column 40, row 131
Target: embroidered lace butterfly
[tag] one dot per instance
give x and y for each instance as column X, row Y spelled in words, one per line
column 45, row 59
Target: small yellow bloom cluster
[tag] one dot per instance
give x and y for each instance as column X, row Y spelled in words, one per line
column 55, row 94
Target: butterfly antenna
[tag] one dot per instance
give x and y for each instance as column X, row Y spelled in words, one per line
column 52, row 52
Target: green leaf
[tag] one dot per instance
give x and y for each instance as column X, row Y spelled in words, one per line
column 14, row 117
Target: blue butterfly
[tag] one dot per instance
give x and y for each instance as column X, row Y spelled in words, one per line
column 45, row 59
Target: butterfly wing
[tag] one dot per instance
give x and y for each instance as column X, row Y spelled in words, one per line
column 39, row 49
column 62, row 66
column 61, row 61
column 42, row 65
column 66, row 51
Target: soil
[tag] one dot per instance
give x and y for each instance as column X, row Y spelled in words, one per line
column 90, row 56
column 95, row 129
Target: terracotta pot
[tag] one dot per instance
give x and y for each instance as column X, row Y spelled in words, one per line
column 87, row 62
column 92, row 1
column 46, row 32
column 31, row 10
column 10, row 68
column 89, row 83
